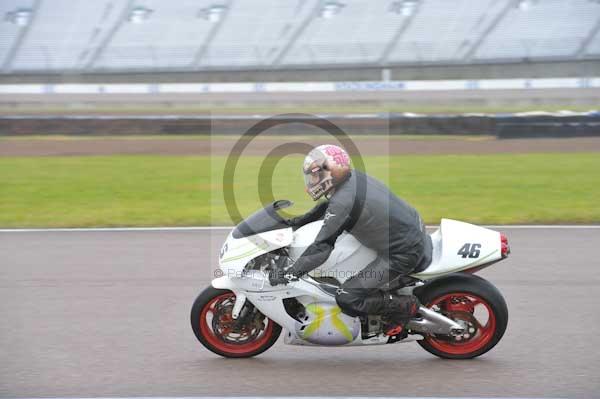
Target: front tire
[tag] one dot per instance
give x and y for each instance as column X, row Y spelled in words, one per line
column 216, row 330
column 473, row 302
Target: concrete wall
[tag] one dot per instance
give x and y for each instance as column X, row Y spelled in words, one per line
column 582, row 125
column 539, row 97
column 581, row 68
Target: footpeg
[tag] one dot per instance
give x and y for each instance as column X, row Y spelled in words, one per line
column 394, row 331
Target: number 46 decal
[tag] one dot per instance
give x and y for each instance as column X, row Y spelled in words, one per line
column 470, row 250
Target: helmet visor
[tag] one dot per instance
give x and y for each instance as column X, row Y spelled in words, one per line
column 313, row 177
column 317, row 181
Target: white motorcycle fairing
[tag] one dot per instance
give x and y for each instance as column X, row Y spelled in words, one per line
column 350, row 256
column 323, row 325
column 457, row 246
column 237, row 252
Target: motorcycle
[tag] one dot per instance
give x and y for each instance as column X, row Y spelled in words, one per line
column 240, row 315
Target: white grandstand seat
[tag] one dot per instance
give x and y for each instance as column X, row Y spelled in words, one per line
column 359, row 33
column 594, row 47
column 84, row 35
column 256, row 32
column 442, row 31
column 546, row 28
column 169, row 38
column 64, row 33
column 9, row 31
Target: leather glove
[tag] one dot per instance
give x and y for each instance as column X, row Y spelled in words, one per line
column 292, row 223
column 280, row 276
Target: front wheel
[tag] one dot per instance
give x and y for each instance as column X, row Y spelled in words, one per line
column 475, row 304
column 251, row 334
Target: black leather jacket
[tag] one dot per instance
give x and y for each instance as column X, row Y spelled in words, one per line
column 379, row 219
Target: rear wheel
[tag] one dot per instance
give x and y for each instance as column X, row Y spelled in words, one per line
column 213, row 325
column 477, row 306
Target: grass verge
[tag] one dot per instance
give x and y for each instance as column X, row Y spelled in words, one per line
column 180, row 191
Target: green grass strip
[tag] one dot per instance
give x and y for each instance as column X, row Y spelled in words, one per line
column 187, row 191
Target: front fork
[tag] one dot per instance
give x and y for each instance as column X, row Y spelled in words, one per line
column 242, row 311
column 240, row 300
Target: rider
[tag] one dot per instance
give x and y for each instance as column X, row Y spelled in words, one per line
column 366, row 208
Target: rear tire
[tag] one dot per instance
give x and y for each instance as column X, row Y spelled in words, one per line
column 218, row 335
column 460, row 297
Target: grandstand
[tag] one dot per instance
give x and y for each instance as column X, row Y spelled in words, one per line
column 253, row 55
column 109, row 36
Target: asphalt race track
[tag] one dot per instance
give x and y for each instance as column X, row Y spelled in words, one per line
column 92, row 314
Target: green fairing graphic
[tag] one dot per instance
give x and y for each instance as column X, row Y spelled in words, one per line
column 320, row 314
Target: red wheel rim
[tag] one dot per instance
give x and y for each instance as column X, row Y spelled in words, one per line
column 463, row 307
column 217, row 338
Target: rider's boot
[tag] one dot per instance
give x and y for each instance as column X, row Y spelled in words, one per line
column 399, row 309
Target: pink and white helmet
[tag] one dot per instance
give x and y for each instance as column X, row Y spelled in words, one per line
column 325, row 167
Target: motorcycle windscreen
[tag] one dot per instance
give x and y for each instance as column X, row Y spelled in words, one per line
column 264, row 220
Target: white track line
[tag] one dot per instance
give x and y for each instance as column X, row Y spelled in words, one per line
column 116, row 229
column 211, row 228
column 297, row 397
column 540, row 226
